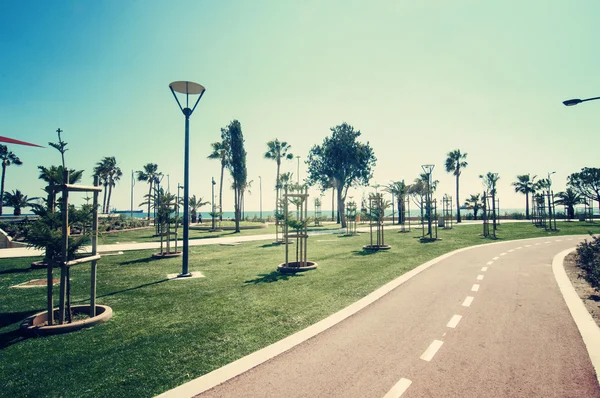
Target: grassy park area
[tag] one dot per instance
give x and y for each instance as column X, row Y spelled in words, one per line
column 164, row 333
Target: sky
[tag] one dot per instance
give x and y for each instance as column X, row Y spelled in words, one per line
column 418, row 79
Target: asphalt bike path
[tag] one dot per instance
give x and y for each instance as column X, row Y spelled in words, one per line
column 489, row 321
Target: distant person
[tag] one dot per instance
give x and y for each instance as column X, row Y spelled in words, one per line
column 199, row 218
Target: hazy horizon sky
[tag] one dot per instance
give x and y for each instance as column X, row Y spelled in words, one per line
column 418, row 79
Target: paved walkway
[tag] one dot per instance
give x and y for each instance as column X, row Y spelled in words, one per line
column 487, row 321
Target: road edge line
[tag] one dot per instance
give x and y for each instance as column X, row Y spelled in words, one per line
column 589, row 330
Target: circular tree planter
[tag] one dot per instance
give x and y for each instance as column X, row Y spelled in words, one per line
column 294, row 267
column 376, row 247
column 166, row 254
column 36, row 324
column 40, row 264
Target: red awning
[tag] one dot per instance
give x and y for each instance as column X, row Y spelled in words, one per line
column 13, row 141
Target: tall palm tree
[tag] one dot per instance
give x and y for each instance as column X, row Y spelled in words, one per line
column 525, row 184
column 569, row 199
column 474, row 203
column 16, row 200
column 491, row 181
column 278, row 150
column 399, row 190
column 100, row 171
column 114, row 175
column 151, row 175
column 8, row 158
column 220, row 151
column 455, row 162
column 195, row 204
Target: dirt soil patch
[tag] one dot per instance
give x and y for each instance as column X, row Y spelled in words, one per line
column 37, row 283
column 589, row 296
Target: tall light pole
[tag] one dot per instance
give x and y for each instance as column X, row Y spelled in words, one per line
column 132, row 185
column 428, row 169
column 260, row 190
column 187, row 88
column 213, row 201
column 298, row 171
column 168, row 183
column 576, row 101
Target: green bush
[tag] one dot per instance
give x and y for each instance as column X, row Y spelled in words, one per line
column 588, row 259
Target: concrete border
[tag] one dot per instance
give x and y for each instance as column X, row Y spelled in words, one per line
column 589, row 330
column 233, row 369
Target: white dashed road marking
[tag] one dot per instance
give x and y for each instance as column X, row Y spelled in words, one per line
column 398, row 389
column 475, row 288
column 431, row 350
column 538, row 244
column 479, row 277
column 511, row 250
column 519, row 248
column 503, row 254
column 454, row 321
column 468, row 301
column 490, row 263
column 495, row 258
column 483, row 269
column 558, row 240
column 527, row 245
column 548, row 242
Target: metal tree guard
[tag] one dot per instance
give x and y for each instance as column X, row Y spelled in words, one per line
column 351, row 218
column 317, row 212
column 187, row 88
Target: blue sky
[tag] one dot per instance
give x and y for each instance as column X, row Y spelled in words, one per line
column 417, row 78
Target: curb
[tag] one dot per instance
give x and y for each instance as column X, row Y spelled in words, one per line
column 589, row 330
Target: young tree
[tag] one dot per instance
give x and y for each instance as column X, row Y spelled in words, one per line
column 568, row 198
column 525, row 184
column 586, row 183
column 195, row 204
column 237, row 167
column 17, row 201
column 276, row 151
column 151, row 175
column 109, row 174
column 342, row 160
column 220, row 151
column 399, row 190
column 8, row 158
column 491, row 180
column 473, row 203
column 455, row 162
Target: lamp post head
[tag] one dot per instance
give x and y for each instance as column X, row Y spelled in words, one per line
column 572, row 102
column 428, row 168
column 187, row 88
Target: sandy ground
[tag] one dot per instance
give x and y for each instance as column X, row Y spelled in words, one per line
column 589, row 296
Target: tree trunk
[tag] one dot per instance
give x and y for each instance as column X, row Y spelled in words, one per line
column 108, row 199
column 341, row 208
column 237, row 210
column 17, row 211
column 494, row 212
column 221, row 193
column 149, row 199
column 2, row 187
column 457, row 202
column 104, row 199
column 527, row 205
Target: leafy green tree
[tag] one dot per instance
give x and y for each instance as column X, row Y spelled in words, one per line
column 586, row 183
column 525, row 184
column 195, row 204
column 474, row 203
column 8, row 158
column 399, row 190
column 455, row 162
column 220, row 151
column 341, row 161
column 569, row 198
column 151, row 175
column 109, row 174
column 490, row 180
column 278, row 150
column 54, row 175
column 17, row 201
column 237, row 167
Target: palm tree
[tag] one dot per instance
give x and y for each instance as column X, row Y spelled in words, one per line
column 220, row 151
column 151, row 175
column 399, row 190
column 455, row 162
column 114, row 175
column 491, row 180
column 525, row 184
column 474, row 203
column 569, row 198
column 100, row 171
column 278, row 150
column 195, row 204
column 16, row 200
column 8, row 158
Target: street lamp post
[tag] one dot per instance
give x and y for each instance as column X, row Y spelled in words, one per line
column 132, row 185
column 428, row 169
column 213, row 201
column 260, row 194
column 576, row 101
column 298, row 170
column 187, row 88
column 550, row 201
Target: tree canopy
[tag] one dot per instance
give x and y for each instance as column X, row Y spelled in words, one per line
column 586, row 183
column 237, row 166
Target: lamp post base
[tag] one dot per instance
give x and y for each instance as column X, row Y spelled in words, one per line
column 184, row 275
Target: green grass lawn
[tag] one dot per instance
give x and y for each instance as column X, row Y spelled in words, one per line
column 147, row 234
column 164, row 333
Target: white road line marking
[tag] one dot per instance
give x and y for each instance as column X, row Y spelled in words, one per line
column 511, row 250
column 489, row 263
column 527, row 245
column 538, row 243
column 475, row 288
column 503, row 254
column 570, row 239
column 479, row 277
column 398, row 389
column 483, row 269
column 548, row 242
column 431, row 350
column 454, row 321
column 495, row 258
column 468, row 301
column 444, row 335
column 558, row 240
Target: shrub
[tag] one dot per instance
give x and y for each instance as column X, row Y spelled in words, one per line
column 588, row 259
